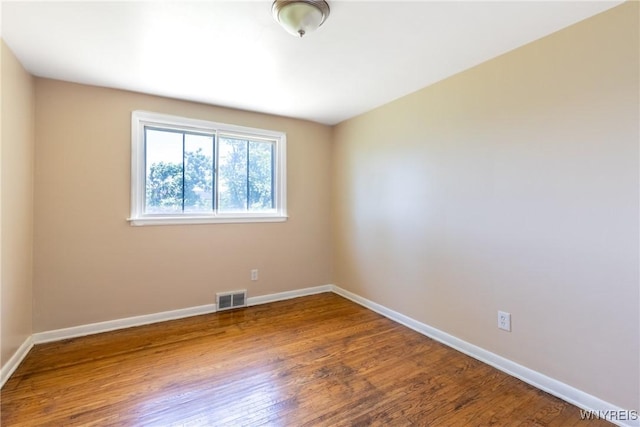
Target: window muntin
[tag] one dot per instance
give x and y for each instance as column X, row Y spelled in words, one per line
column 194, row 171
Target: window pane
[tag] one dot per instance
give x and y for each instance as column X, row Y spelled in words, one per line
column 232, row 155
column 261, row 176
column 163, row 171
column 198, row 175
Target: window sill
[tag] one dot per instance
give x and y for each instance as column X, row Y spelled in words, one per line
column 189, row 220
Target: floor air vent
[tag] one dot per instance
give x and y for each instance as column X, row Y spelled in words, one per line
column 229, row 300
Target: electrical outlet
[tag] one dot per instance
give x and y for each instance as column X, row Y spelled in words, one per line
column 504, row 321
column 254, row 274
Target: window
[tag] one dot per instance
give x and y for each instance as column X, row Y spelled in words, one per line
column 186, row 171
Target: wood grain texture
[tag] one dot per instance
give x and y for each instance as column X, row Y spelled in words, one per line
column 319, row 360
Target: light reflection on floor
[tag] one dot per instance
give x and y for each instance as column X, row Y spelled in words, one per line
column 246, row 397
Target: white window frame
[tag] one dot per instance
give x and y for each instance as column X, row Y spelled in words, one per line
column 142, row 119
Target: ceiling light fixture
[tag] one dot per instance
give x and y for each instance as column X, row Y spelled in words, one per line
column 300, row 17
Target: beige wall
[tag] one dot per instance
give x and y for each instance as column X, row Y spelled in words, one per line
column 511, row 186
column 92, row 266
column 16, row 177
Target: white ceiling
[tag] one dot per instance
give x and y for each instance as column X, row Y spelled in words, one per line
column 233, row 53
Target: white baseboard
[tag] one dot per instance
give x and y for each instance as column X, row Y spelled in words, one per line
column 112, row 325
column 12, row 364
column 559, row 389
column 281, row 296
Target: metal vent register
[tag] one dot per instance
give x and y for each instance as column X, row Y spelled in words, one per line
column 229, row 300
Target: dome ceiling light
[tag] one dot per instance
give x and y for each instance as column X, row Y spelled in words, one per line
column 299, row 17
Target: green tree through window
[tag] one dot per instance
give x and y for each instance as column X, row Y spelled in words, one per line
column 246, row 175
column 187, row 184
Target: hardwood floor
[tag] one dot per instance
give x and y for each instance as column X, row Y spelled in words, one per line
column 314, row 361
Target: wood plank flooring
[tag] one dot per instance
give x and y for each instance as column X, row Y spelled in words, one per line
column 314, row 361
